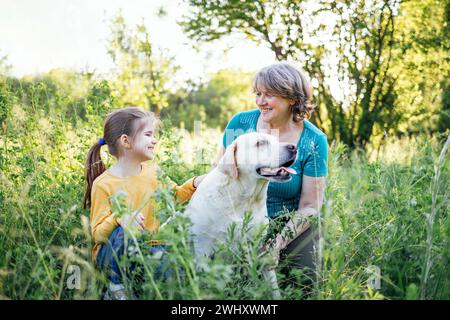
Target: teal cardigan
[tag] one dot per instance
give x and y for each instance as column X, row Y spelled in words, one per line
column 311, row 160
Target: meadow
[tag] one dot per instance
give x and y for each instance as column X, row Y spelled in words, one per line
column 379, row 71
column 386, row 214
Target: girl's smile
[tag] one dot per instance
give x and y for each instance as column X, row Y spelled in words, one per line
column 144, row 142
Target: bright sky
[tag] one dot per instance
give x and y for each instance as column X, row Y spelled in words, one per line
column 38, row 35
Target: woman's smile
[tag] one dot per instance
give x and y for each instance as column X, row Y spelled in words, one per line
column 265, row 109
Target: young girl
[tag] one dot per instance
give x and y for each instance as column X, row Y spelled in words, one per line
column 129, row 134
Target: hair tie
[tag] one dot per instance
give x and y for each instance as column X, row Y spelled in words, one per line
column 101, row 141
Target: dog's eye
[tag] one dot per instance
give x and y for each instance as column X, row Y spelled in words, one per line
column 261, row 143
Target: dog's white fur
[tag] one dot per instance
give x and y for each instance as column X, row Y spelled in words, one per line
column 233, row 188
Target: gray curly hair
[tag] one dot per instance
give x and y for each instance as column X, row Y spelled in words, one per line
column 286, row 81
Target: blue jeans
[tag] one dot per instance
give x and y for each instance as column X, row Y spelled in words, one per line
column 112, row 251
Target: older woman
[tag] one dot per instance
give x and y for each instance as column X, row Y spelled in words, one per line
column 283, row 97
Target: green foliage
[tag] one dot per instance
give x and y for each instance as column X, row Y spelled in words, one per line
column 379, row 222
column 421, row 66
column 5, row 102
column 99, row 100
column 212, row 103
column 386, row 208
column 386, row 55
column 142, row 76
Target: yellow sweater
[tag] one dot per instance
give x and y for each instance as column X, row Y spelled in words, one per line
column 139, row 189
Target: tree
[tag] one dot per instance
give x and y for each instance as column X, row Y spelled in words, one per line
column 444, row 119
column 5, row 67
column 214, row 102
column 354, row 43
column 5, row 99
column 422, row 66
column 142, row 74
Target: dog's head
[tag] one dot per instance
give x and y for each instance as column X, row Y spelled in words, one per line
column 259, row 155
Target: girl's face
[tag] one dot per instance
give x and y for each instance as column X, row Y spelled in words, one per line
column 144, row 142
column 273, row 108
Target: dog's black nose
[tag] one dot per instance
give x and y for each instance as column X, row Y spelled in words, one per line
column 292, row 147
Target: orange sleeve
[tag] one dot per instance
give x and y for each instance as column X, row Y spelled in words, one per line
column 185, row 191
column 103, row 221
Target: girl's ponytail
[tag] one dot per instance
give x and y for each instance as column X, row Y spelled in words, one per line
column 92, row 169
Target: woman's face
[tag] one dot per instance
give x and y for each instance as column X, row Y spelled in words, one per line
column 273, row 108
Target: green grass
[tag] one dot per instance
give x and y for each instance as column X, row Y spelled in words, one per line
column 390, row 212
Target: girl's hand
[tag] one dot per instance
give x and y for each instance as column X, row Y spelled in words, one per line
column 198, row 180
column 133, row 221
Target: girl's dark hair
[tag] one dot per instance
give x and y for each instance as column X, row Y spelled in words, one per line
column 285, row 80
column 122, row 121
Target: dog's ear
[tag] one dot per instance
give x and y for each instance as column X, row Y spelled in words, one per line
column 227, row 164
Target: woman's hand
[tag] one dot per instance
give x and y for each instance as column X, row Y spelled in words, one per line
column 295, row 227
column 279, row 244
column 273, row 248
column 312, row 194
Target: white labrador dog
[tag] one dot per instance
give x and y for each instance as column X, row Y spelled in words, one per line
column 237, row 185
